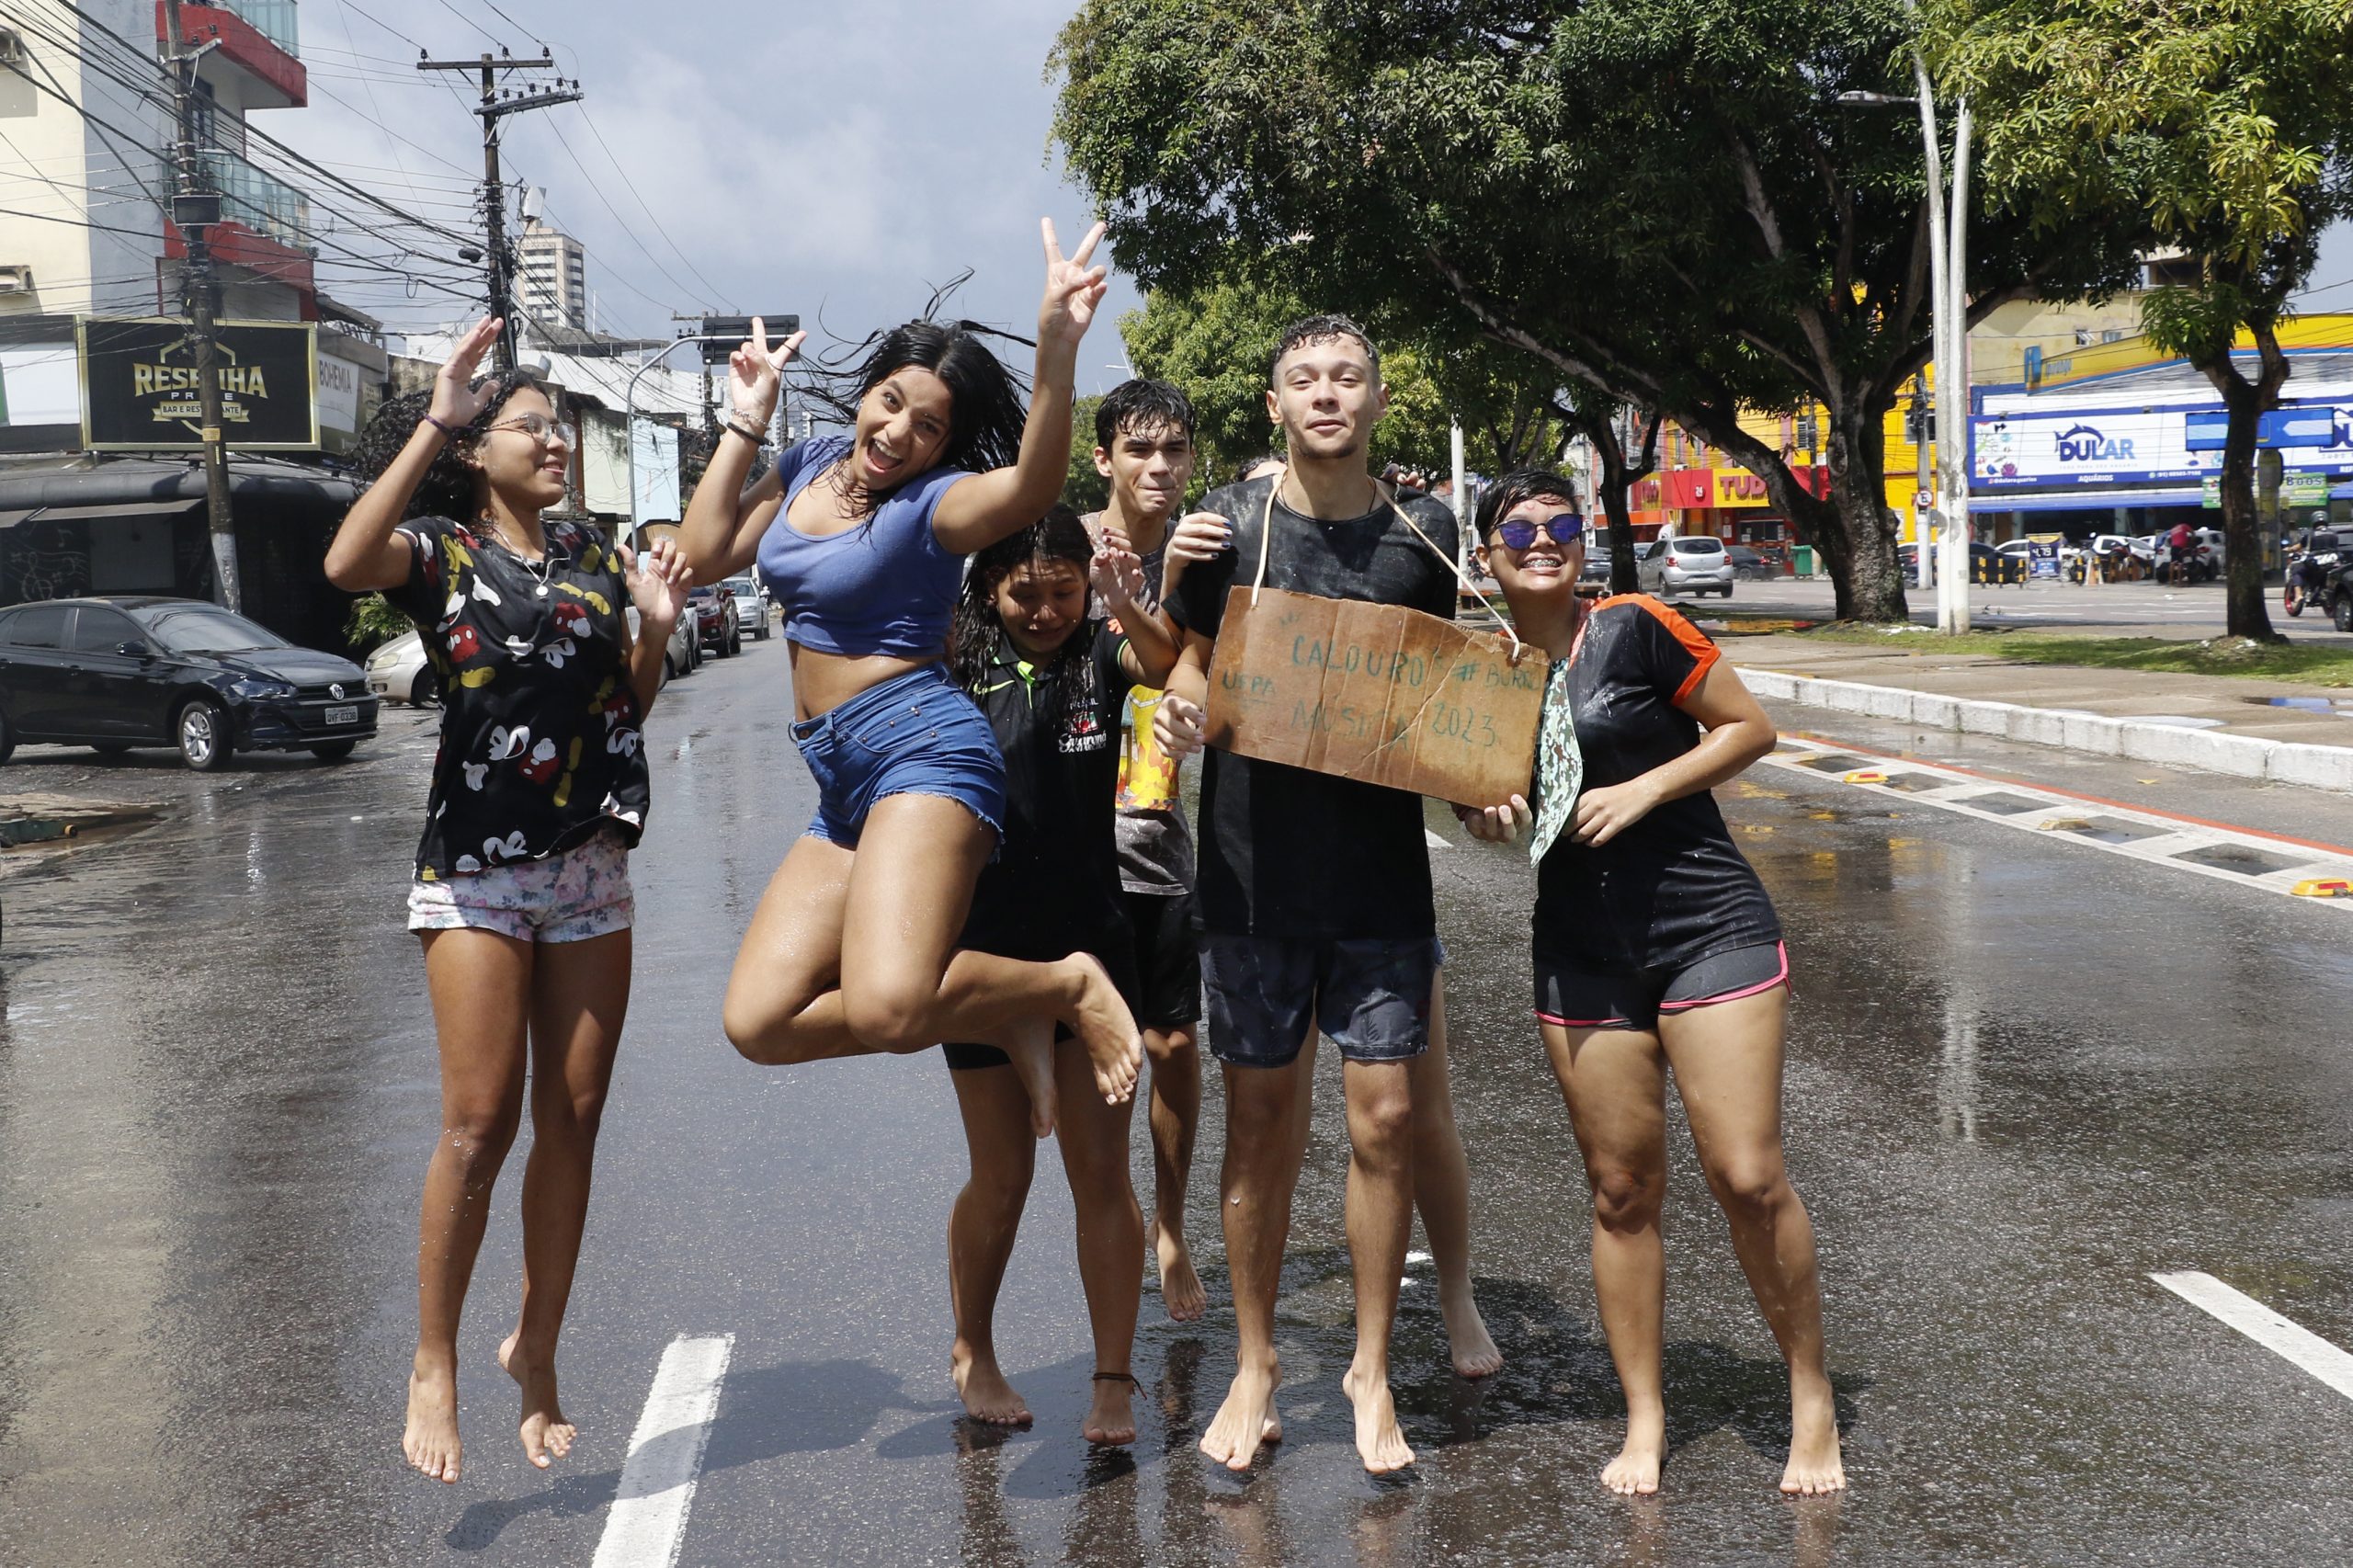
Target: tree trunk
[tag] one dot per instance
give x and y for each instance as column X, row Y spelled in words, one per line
column 2245, row 611
column 1618, row 476
column 1866, row 573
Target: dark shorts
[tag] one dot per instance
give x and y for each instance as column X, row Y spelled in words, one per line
column 1168, row 960
column 1371, row 995
column 912, row 735
column 1117, row 956
column 1633, row 998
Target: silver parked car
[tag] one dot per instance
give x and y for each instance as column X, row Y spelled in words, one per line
column 1697, row 565
column 754, row 607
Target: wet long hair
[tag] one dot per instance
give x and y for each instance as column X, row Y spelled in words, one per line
column 977, row 635
column 987, row 400
column 452, row 487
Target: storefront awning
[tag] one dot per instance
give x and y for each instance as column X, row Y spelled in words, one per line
column 2087, row 500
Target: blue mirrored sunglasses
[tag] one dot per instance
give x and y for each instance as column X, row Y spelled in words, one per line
column 1567, row 528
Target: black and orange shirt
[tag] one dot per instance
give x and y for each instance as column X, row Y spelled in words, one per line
column 1672, row 889
column 541, row 738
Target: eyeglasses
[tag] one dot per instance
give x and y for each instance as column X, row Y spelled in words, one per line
column 1565, row 527
column 541, row 429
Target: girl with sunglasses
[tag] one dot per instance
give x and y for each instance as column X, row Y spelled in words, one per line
column 539, row 790
column 1655, row 949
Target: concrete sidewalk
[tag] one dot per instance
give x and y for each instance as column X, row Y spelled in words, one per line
column 2224, row 724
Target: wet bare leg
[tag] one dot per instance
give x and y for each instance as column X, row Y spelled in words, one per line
column 1380, row 1218
column 480, row 987
column 1262, row 1157
column 854, row 953
column 1176, row 1117
column 1727, row 1060
column 580, row 1002
column 1615, row 1083
column 1094, row 1139
column 1442, row 1193
column 1030, row 1044
column 980, row 1232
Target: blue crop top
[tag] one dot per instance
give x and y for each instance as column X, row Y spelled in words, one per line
column 885, row 585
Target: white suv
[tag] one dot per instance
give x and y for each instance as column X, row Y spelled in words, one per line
column 1695, row 565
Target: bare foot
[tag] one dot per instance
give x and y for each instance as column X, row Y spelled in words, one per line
column 1111, row 1419
column 1815, row 1465
column 987, row 1396
column 1100, row 1019
column 1634, row 1472
column 1246, row 1419
column 431, row 1441
column 1467, row 1341
column 1380, row 1443
column 546, row 1434
column 1030, row 1044
column 1180, row 1288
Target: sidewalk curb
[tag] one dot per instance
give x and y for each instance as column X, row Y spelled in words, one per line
column 2243, row 756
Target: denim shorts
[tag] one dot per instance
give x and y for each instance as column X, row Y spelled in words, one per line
column 569, row 896
column 1371, row 995
column 913, row 734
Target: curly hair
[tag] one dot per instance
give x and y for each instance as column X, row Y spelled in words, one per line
column 451, row 487
column 977, row 634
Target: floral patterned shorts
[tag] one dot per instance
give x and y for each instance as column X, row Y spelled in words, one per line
column 568, row 897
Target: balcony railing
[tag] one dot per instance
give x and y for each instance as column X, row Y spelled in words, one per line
column 267, row 205
column 274, row 19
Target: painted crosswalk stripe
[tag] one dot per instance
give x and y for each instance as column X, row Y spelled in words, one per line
column 2298, row 1344
column 1434, row 840
column 648, row 1523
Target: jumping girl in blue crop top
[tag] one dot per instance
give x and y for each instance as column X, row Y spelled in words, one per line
column 863, row 538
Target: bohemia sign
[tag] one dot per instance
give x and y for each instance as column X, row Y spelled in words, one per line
column 139, row 389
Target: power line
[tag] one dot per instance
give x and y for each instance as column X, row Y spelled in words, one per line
column 661, row 228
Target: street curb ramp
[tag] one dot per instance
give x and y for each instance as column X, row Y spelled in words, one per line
column 2241, row 757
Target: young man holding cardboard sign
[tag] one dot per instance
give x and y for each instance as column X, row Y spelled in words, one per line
column 1315, row 890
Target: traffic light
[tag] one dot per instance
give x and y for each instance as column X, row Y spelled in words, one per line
column 722, row 334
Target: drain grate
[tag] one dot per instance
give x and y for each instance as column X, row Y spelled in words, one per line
column 1833, row 762
column 2106, row 830
column 2001, row 803
column 2237, row 858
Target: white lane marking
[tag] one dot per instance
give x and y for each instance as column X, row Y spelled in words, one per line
column 2292, row 1340
column 1435, row 842
column 2165, row 840
column 648, row 1523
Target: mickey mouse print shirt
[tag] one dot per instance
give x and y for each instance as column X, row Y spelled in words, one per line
column 541, row 740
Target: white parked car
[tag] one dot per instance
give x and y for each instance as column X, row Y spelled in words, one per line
column 1696, row 566
column 398, row 671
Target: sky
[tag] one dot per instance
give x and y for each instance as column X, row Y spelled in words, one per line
column 836, row 161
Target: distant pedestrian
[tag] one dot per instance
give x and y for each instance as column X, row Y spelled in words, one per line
column 1053, row 677
column 1655, row 949
column 539, row 790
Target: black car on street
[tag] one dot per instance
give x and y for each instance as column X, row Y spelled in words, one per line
column 138, row 670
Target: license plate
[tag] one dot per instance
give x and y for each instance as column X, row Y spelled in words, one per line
column 342, row 716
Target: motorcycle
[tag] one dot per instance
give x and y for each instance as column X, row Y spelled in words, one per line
column 2308, row 576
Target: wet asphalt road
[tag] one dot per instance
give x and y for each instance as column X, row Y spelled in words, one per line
column 2138, row 609
column 2023, row 1076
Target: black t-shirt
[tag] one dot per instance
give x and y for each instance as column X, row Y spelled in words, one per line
column 1054, row 886
column 1286, row 852
column 1672, row 889
column 541, row 738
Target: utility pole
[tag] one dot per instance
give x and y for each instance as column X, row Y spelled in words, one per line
column 195, row 209
column 496, row 104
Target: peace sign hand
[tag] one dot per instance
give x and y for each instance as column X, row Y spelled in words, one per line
column 457, row 401
column 755, row 373
column 1072, row 290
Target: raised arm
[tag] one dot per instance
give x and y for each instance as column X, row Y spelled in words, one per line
column 982, row 508
column 364, row 556
column 721, row 532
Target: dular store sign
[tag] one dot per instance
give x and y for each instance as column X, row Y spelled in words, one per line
column 139, row 388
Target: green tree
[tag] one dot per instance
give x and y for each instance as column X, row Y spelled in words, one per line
column 1663, row 199
column 1086, row 489
column 2224, row 122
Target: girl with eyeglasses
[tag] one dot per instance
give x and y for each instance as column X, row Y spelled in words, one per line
column 1656, row 950
column 863, row 538
column 521, row 895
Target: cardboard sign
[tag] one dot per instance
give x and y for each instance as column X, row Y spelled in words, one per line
column 1376, row 692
